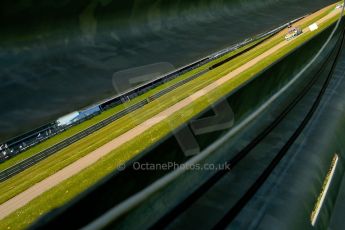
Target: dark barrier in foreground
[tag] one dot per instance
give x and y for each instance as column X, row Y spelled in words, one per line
column 119, row 186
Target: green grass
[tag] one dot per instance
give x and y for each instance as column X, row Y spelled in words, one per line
column 74, row 185
column 49, row 166
column 80, row 127
column 61, row 159
column 68, row 155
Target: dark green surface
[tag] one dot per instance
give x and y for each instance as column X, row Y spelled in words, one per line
column 59, row 56
column 243, row 102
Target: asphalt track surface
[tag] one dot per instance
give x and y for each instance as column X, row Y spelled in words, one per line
column 79, row 73
column 48, row 183
column 28, row 162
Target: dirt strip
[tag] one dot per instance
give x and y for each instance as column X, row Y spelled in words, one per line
column 25, row 197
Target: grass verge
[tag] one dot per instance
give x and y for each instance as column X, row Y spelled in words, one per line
column 61, row 159
column 74, row 185
column 80, row 127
